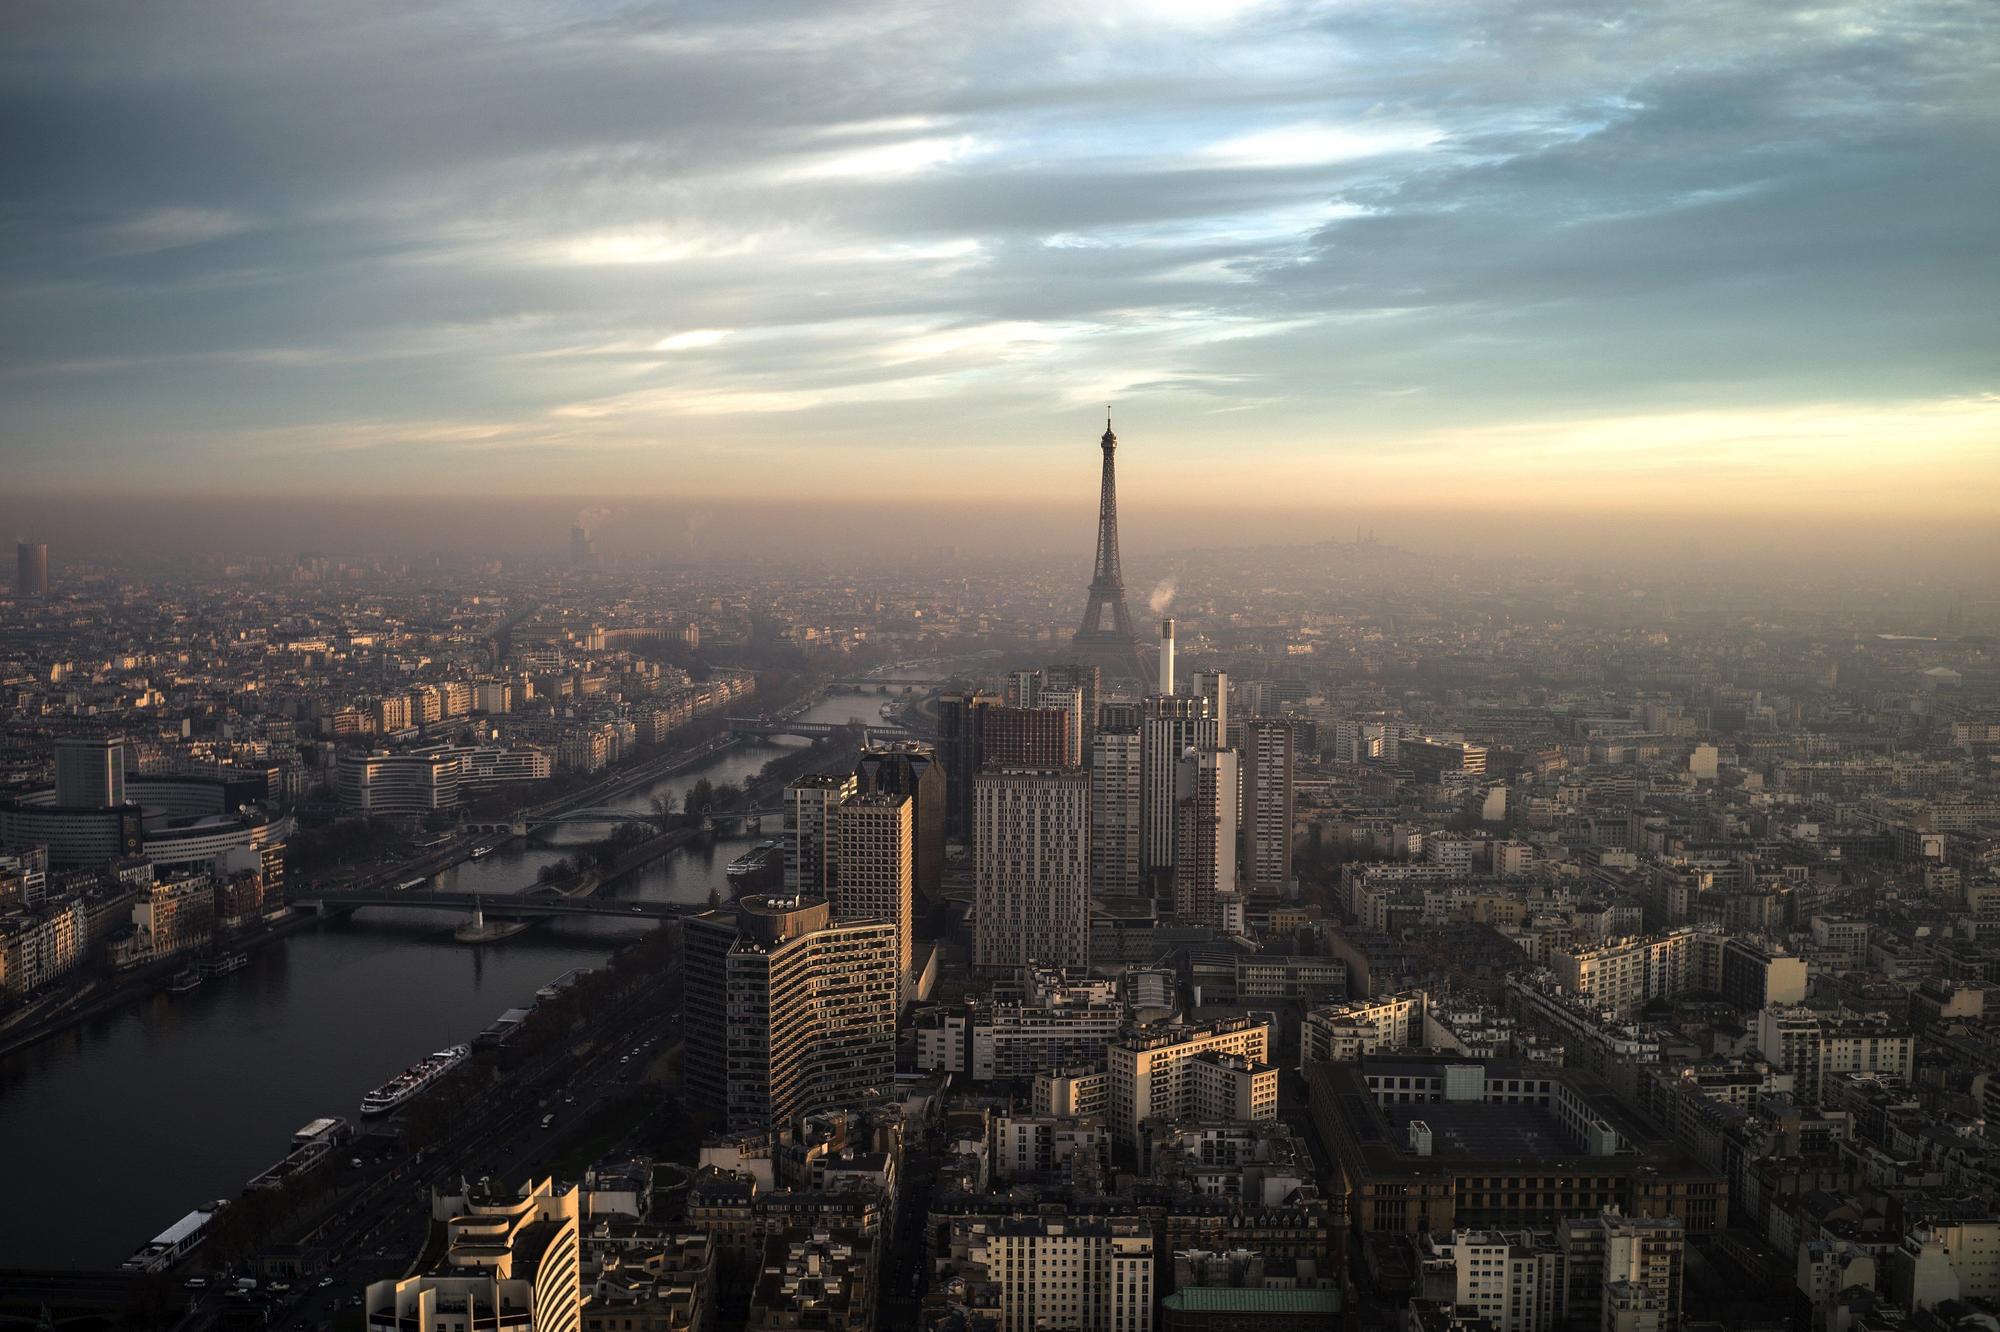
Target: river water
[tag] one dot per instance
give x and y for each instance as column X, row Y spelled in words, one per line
column 114, row 1129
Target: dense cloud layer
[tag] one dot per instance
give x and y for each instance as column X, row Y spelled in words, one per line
column 518, row 245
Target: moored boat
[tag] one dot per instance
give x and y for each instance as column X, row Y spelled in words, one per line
column 412, row 1080
column 757, row 868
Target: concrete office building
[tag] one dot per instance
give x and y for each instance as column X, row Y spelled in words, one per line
column 1427, row 1143
column 1269, row 805
column 876, row 835
column 789, row 1012
column 1031, row 903
column 90, row 772
column 1435, row 760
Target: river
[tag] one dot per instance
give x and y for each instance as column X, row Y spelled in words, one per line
column 111, row 1131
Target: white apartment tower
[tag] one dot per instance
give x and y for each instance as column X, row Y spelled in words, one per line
column 1169, row 726
column 877, row 840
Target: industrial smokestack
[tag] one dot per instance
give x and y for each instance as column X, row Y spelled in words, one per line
column 1167, row 655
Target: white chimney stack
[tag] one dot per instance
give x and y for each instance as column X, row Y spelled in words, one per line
column 1167, row 655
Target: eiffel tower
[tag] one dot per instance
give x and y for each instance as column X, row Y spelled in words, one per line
column 1105, row 638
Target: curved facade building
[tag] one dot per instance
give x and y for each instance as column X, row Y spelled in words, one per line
column 76, row 838
column 197, row 841
column 789, row 1012
column 510, row 1262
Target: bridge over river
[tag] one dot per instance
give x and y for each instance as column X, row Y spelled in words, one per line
column 504, row 906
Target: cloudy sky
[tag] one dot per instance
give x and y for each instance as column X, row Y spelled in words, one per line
column 1706, row 253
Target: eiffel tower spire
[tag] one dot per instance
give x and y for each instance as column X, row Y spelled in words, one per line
column 1105, row 638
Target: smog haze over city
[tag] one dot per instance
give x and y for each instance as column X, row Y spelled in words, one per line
column 1138, row 666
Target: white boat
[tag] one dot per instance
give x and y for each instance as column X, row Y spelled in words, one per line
column 479, row 851
column 405, row 1085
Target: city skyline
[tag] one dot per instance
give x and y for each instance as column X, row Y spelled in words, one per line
column 1723, row 259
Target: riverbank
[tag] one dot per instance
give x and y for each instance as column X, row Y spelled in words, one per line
column 228, row 1072
column 142, row 983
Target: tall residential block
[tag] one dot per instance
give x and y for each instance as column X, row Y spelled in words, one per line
column 31, row 569
column 1205, row 821
column 1213, row 688
column 1030, row 738
column 1172, row 725
column 1269, row 804
column 876, row 834
column 1114, row 812
column 810, row 853
column 788, row 1011
column 912, row 768
column 1032, row 868
column 961, row 735
column 1087, row 681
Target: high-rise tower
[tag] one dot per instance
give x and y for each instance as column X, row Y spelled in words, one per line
column 31, row 566
column 1105, row 638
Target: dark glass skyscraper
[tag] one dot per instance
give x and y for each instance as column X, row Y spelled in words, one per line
column 961, row 748
column 31, row 569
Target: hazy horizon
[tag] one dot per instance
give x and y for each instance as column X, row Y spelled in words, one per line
column 87, row 530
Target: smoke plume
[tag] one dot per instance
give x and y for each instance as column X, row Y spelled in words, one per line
column 1163, row 595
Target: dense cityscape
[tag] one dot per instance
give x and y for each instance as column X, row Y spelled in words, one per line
column 908, row 666
column 1338, row 935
